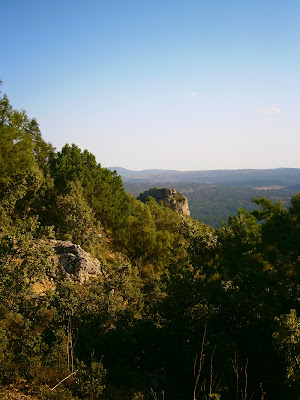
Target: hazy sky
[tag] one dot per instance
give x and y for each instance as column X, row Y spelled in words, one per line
column 186, row 85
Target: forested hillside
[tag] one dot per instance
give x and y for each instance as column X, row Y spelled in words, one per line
column 180, row 311
column 213, row 204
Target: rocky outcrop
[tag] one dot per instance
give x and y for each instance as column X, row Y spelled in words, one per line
column 170, row 198
column 74, row 263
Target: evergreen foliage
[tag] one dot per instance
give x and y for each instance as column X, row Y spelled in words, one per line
column 181, row 311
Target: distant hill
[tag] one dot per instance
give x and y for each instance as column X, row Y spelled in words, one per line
column 254, row 178
column 294, row 187
column 146, row 172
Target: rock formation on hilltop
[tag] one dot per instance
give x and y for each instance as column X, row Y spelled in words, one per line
column 170, row 198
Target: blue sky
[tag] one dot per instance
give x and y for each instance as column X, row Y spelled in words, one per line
column 186, row 85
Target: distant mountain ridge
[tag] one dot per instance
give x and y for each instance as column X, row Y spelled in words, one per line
column 282, row 177
column 127, row 172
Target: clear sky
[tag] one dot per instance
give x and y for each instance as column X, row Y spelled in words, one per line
column 186, row 85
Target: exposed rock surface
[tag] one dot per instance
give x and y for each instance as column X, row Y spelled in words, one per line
column 74, row 263
column 170, row 198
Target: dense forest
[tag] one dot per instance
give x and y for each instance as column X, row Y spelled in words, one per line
column 213, row 204
column 182, row 310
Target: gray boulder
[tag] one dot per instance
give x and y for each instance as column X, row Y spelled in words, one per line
column 74, row 263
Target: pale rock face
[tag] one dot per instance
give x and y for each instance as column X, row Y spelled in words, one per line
column 74, row 263
column 170, row 198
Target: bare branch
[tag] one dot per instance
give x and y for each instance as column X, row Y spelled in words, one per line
column 67, row 377
column 201, row 363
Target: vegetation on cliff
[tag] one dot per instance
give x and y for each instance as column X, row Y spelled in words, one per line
column 180, row 310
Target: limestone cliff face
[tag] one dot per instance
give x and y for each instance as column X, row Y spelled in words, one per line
column 170, row 198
